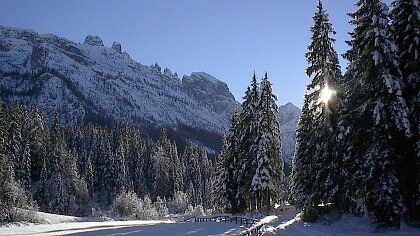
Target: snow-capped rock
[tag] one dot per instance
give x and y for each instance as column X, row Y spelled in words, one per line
column 93, row 41
column 288, row 117
column 156, row 67
column 168, row 72
column 211, row 91
column 88, row 82
column 116, row 46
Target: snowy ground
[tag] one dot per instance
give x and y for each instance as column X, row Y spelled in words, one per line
column 290, row 223
column 125, row 228
column 286, row 222
column 64, row 225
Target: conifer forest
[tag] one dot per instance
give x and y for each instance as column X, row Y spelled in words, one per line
column 187, row 149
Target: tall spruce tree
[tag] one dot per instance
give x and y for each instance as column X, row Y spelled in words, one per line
column 226, row 182
column 406, row 28
column 163, row 184
column 302, row 166
column 376, row 112
column 247, row 146
column 11, row 195
column 318, row 177
column 269, row 177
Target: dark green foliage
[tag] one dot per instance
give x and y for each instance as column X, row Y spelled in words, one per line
column 406, row 28
column 376, row 113
column 250, row 168
column 12, row 196
column 316, row 163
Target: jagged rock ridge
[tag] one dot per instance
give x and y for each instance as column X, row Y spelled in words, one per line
column 92, row 82
column 85, row 80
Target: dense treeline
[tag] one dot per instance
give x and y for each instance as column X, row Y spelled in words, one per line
column 250, row 167
column 358, row 135
column 82, row 168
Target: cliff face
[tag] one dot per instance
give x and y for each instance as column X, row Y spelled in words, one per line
column 88, row 80
column 92, row 82
column 288, row 117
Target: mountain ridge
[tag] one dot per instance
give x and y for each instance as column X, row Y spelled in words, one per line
column 91, row 82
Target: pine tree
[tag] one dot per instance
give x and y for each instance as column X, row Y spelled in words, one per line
column 148, row 170
column 206, row 176
column 406, row 28
column 269, row 176
column 14, row 138
column 89, row 178
column 55, row 186
column 222, row 197
column 247, row 146
column 226, row 183
column 318, row 177
column 25, row 166
column 7, row 182
column 66, row 193
column 376, row 112
column 38, row 138
column 193, row 176
column 163, row 184
column 178, row 169
column 302, row 165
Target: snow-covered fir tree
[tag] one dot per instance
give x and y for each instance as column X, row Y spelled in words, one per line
column 12, row 196
column 406, row 29
column 163, row 168
column 247, row 146
column 268, row 178
column 316, row 164
column 250, row 168
column 226, row 182
column 38, row 136
column 65, row 192
column 302, row 166
column 376, row 114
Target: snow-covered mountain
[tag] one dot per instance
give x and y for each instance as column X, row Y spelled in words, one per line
column 92, row 82
column 288, row 116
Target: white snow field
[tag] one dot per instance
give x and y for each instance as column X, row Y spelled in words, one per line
column 135, row 227
column 287, row 221
column 65, row 225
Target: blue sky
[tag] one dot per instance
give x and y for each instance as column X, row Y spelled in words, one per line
column 228, row 39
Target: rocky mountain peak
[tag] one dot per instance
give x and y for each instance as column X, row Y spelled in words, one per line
column 93, row 41
column 208, row 89
column 288, row 117
column 117, row 47
column 156, row 67
column 168, row 72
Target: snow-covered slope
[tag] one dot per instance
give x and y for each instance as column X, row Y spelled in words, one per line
column 92, row 81
column 288, row 116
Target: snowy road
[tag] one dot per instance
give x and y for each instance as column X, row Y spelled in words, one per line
column 125, row 228
column 204, row 228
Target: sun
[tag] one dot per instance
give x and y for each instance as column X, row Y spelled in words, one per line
column 326, row 94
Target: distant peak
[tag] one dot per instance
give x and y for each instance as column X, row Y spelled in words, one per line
column 156, row 67
column 168, row 72
column 290, row 106
column 93, row 41
column 117, row 47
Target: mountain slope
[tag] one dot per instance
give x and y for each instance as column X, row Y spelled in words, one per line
column 91, row 81
column 288, row 117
